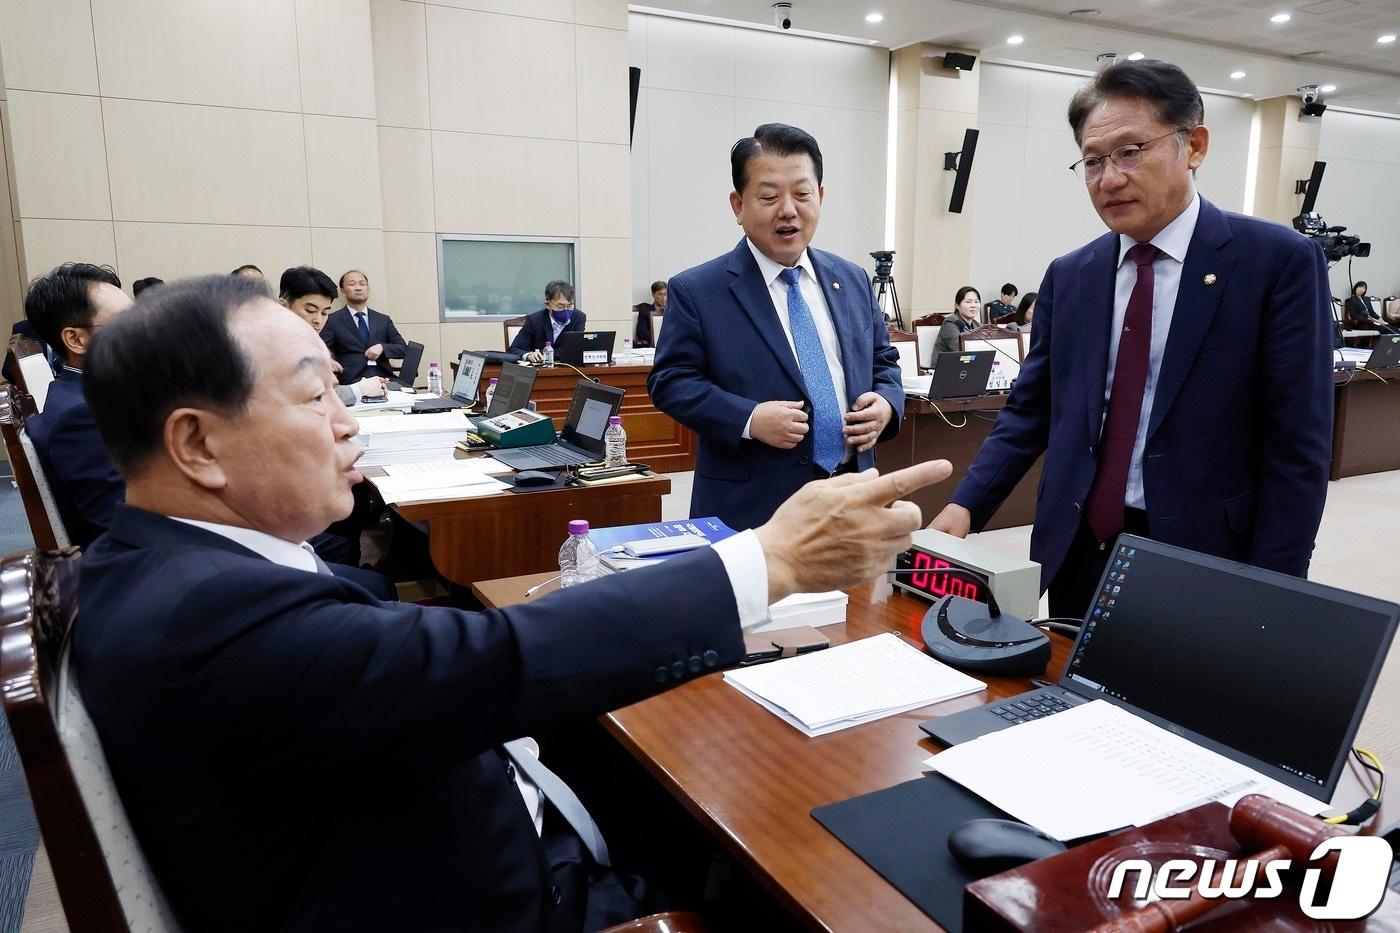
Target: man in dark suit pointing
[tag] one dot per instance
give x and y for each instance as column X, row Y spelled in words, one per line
column 1179, row 379
column 775, row 354
column 295, row 754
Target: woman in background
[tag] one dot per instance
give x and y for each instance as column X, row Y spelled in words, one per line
column 966, row 307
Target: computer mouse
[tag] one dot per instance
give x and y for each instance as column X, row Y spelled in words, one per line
column 534, row 478
column 987, row 847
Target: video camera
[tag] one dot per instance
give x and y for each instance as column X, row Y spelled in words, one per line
column 884, row 263
column 1336, row 245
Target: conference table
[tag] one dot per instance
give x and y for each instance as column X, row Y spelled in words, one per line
column 953, row 429
column 752, row 781
column 1366, row 423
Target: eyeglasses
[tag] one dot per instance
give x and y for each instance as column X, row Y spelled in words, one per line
column 1124, row 158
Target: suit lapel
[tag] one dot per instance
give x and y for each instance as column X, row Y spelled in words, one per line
column 1196, row 306
column 1091, row 304
column 752, row 296
column 835, row 289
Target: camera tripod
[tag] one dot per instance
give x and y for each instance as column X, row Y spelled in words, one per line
column 884, row 289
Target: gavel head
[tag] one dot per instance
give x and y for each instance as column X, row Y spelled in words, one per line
column 1260, row 822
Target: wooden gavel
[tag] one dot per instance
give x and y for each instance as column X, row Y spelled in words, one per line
column 1272, row 830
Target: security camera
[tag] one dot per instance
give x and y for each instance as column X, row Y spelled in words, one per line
column 1309, row 93
column 782, row 15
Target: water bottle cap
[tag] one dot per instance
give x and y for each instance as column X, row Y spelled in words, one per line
column 614, row 419
column 578, row 527
column 549, row 343
column 432, row 366
column 494, row 380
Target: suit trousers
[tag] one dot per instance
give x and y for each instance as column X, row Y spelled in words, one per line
column 1074, row 585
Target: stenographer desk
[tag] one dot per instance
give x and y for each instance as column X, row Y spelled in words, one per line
column 1366, row 423
column 752, row 780
column 953, row 429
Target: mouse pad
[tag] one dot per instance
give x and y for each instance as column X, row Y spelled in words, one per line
column 902, row 833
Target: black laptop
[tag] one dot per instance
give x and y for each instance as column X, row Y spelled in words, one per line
column 585, row 347
column 408, row 371
column 1386, row 354
column 961, row 374
column 513, row 390
column 581, row 440
column 464, row 387
column 1271, row 671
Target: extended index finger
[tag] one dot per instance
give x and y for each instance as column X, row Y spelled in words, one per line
column 900, row 483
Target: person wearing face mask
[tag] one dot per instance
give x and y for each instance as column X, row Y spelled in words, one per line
column 557, row 316
column 966, row 308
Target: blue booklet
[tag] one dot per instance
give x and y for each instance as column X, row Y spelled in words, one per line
column 608, row 539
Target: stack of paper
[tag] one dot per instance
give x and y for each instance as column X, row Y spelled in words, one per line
column 814, row 609
column 445, row 483
column 917, row 385
column 487, row 466
column 1139, row 772
column 386, row 456
column 854, row 683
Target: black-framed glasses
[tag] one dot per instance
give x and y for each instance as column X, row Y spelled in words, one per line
column 1125, row 158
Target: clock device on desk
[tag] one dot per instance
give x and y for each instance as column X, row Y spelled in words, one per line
column 981, row 600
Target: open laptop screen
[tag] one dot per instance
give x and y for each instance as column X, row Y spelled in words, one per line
column 588, row 415
column 1266, row 664
column 469, row 366
column 513, row 389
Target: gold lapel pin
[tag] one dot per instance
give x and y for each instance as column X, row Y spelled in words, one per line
column 836, row 285
column 1210, row 278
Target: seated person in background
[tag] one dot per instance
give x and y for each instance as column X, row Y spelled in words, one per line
column 309, row 293
column 966, row 307
column 250, row 271
column 275, row 703
column 1359, row 315
column 643, row 335
column 361, row 339
column 66, row 308
column 1003, row 306
column 557, row 316
column 140, row 285
column 1024, row 312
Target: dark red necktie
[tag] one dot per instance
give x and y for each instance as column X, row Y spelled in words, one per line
column 1105, row 505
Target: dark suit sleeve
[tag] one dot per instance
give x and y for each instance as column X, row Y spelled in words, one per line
column 1022, row 429
column 948, row 338
column 1295, row 372
column 88, row 476
column 339, row 682
column 886, row 379
column 331, row 338
column 393, row 343
column 680, row 383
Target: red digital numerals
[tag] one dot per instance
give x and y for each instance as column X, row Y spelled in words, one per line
column 941, row 584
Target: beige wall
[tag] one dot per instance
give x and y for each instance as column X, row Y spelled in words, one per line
column 179, row 137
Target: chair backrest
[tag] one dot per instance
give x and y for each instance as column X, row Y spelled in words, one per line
column 45, row 522
column 103, row 880
column 25, row 358
column 512, row 326
column 926, row 330
column 907, row 346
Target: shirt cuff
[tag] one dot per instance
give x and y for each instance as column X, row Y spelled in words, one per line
column 359, row 393
column 743, row 560
column 748, row 424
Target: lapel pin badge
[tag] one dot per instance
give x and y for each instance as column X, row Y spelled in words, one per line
column 836, row 285
column 1210, row 278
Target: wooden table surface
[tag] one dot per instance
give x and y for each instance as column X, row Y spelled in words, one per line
column 752, row 780
column 1366, row 423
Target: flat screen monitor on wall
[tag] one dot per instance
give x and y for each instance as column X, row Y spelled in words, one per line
column 493, row 278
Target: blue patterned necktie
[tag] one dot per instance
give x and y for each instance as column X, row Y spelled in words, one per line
column 362, row 323
column 828, row 443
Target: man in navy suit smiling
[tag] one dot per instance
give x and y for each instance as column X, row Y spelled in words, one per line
column 775, row 354
column 1179, row 379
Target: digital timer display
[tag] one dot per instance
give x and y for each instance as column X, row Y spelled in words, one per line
column 929, row 582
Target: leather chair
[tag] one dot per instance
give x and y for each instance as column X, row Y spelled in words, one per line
column 926, row 335
column 511, row 327
column 102, row 876
column 25, row 359
column 45, row 522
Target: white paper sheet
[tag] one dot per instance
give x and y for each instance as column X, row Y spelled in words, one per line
column 487, row 465
column 1119, row 770
column 413, row 489
column 437, row 421
column 850, row 684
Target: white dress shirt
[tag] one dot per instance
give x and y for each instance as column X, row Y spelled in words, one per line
column 555, row 326
column 821, row 317
column 1173, row 240
column 741, row 555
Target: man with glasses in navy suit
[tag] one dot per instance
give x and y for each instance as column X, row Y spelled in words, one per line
column 775, row 354
column 1179, row 379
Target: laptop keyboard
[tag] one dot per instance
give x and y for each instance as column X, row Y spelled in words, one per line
column 550, row 456
column 1027, row 708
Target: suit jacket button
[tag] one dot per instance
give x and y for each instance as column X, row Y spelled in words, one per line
column 661, row 675
column 678, row 670
column 556, row 895
column 805, row 461
column 711, row 658
column 694, row 664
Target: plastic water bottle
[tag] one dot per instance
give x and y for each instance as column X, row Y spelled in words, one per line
column 434, row 379
column 615, row 442
column 491, row 390
column 578, row 558
column 549, row 353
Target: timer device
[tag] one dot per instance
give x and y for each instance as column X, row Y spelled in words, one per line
column 967, row 626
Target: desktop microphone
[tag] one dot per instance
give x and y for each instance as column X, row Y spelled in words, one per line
column 974, row 636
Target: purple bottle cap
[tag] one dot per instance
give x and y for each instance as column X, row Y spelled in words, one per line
column 614, row 419
column 578, row 527
column 494, row 380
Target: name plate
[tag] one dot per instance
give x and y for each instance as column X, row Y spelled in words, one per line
column 595, row 357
